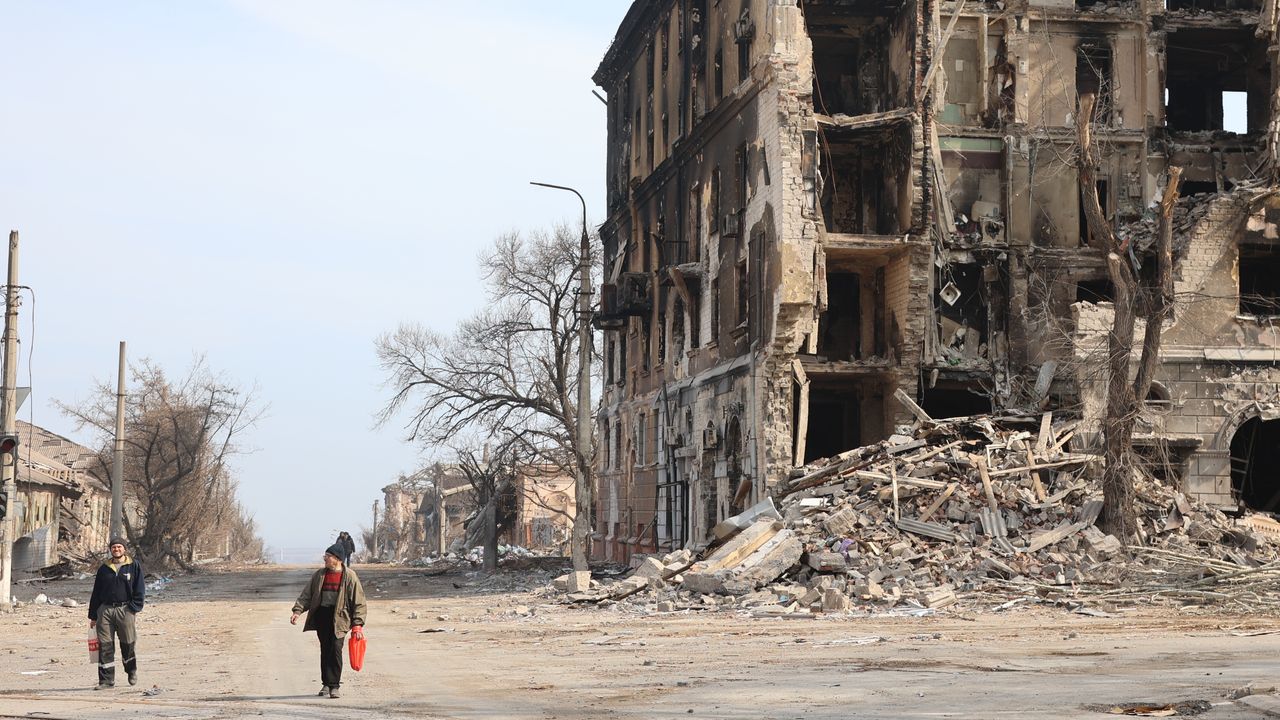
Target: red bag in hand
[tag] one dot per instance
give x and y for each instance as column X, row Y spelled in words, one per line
column 355, row 648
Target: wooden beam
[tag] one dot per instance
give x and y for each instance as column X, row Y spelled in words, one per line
column 901, row 396
column 802, row 412
column 938, row 503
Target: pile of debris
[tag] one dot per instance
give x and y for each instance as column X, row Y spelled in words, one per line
column 980, row 509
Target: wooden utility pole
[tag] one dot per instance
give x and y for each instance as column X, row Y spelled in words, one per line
column 9, row 422
column 117, row 459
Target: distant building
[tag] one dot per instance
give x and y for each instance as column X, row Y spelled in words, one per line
column 62, row 509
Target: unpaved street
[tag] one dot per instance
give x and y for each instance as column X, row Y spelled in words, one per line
column 219, row 645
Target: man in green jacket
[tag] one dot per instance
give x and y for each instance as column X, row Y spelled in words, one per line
column 334, row 603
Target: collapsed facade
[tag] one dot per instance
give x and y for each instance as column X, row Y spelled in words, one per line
column 815, row 204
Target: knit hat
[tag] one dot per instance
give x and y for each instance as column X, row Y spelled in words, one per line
column 337, row 551
column 117, row 541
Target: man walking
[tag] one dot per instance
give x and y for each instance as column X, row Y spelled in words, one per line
column 334, row 603
column 118, row 595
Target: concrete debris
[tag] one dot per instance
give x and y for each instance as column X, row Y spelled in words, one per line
column 1011, row 519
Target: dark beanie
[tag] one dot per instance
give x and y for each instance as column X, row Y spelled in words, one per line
column 337, row 551
column 117, row 541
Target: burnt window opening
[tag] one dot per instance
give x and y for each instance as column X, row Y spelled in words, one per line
column 677, row 331
column 743, row 300
column 1212, row 5
column 843, row 416
column 622, row 360
column 649, row 67
column 867, row 184
column 662, row 338
column 694, row 245
column 1255, row 464
column 666, row 133
column 1158, row 398
column 1094, row 76
column 840, row 327
column 695, row 323
column 1095, row 291
column 853, row 73
column 954, row 399
column 666, row 48
column 1210, row 73
column 744, row 31
column 611, row 355
column 963, row 306
column 718, row 71
column 1197, row 187
column 1259, row 280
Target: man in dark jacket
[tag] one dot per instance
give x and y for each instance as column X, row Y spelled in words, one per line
column 348, row 544
column 334, row 603
column 118, row 595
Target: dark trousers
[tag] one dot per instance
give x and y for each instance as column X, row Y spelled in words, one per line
column 113, row 621
column 330, row 648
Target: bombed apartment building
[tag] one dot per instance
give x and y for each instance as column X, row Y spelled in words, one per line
column 816, row 204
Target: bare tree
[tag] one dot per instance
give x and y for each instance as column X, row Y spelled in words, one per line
column 1154, row 300
column 511, row 369
column 179, row 438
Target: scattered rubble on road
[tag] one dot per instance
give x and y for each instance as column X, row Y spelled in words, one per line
column 981, row 511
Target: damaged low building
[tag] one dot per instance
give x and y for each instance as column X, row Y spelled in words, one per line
column 816, row 204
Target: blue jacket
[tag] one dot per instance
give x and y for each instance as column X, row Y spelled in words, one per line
column 122, row 584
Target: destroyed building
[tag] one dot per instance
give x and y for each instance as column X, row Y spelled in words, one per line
column 815, row 204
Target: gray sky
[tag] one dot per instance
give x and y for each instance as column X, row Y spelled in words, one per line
column 272, row 183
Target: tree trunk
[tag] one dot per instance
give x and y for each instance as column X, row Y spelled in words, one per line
column 490, row 513
column 1123, row 397
column 1119, row 515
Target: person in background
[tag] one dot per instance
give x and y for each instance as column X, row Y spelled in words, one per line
column 118, row 595
column 348, row 544
column 333, row 600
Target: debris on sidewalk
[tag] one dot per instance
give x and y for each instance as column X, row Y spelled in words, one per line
column 969, row 511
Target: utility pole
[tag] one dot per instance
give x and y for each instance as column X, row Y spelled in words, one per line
column 117, row 460
column 9, row 422
column 583, row 487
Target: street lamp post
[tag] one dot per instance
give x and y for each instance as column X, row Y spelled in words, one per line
column 583, row 490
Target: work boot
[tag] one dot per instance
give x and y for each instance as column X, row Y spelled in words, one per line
column 324, row 690
column 104, row 686
column 334, row 693
column 133, row 678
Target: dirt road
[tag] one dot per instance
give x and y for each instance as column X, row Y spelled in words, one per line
column 219, row 645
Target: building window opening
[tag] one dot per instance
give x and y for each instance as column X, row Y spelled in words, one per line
column 1216, row 80
column 1255, row 465
column 840, row 327
column 1197, row 187
column 1158, row 398
column 952, row 400
column 834, row 424
column 1259, row 280
column 962, row 301
column 1093, row 76
column 1095, row 291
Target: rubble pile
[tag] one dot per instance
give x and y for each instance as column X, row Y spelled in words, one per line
column 973, row 510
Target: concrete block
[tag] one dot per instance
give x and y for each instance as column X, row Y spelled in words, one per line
column 650, row 568
column 835, row 601
column 579, row 581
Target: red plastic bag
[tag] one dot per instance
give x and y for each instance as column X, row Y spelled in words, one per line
column 355, row 648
